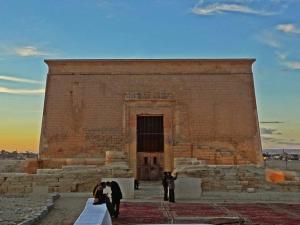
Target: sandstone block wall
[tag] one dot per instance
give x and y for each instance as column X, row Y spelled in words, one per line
column 238, row 179
column 79, row 178
column 84, row 178
column 210, row 103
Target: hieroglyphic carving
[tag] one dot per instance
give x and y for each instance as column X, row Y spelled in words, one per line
column 136, row 95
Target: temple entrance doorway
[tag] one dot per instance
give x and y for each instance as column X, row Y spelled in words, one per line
column 150, row 147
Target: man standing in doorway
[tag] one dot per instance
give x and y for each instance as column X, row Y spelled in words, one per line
column 116, row 196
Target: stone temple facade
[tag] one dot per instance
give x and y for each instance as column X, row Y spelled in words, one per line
column 145, row 114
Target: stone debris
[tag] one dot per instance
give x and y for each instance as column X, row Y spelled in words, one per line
column 82, row 178
column 234, row 178
column 70, row 178
column 25, row 210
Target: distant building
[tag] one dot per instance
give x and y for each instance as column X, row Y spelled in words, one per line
column 280, row 154
column 17, row 155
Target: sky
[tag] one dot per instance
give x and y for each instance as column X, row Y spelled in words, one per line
column 34, row 30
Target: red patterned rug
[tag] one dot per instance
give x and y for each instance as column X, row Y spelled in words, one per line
column 138, row 213
column 247, row 214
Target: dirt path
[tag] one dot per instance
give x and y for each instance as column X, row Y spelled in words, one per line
column 65, row 211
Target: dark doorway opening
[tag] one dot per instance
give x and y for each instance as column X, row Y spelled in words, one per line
column 150, row 134
column 150, row 147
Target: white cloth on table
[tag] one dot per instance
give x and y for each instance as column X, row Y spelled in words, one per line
column 94, row 214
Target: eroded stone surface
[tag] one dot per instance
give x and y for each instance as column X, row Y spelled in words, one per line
column 91, row 106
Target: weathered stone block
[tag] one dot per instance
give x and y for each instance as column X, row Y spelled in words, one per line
column 251, row 190
column 38, row 190
column 188, row 188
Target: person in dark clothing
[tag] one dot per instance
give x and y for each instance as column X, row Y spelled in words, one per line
column 165, row 185
column 116, row 196
column 136, row 184
column 171, row 183
column 101, row 198
column 98, row 185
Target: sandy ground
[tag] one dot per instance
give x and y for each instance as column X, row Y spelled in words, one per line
column 69, row 207
column 14, row 210
column 65, row 211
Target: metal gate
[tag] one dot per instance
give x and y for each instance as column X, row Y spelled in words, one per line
column 150, row 147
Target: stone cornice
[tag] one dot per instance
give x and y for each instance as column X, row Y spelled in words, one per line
column 148, row 66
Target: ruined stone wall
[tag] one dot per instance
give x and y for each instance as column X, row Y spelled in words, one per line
column 67, row 179
column 84, row 178
column 240, row 179
column 213, row 109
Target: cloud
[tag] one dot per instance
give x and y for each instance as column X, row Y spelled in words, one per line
column 269, row 139
column 281, row 56
column 28, row 51
column 279, row 142
column 271, row 122
column 283, row 60
column 102, row 3
column 288, row 28
column 288, row 143
column 269, row 131
column 21, row 91
column 293, row 65
column 218, row 8
column 20, row 80
column 268, row 38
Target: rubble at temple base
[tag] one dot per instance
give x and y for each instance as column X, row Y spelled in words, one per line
column 82, row 178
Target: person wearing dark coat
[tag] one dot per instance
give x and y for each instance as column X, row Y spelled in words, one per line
column 98, row 186
column 136, row 184
column 171, row 183
column 116, row 196
column 101, row 198
column 165, row 185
